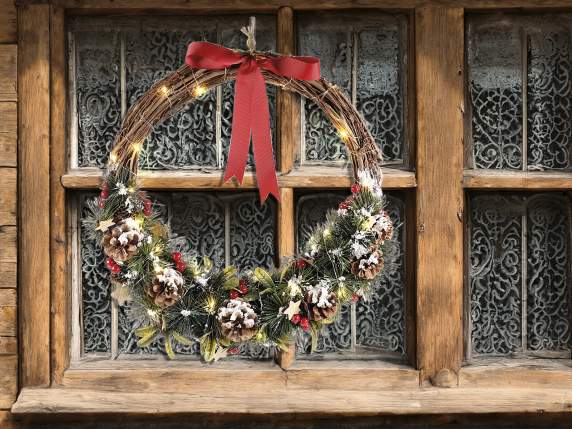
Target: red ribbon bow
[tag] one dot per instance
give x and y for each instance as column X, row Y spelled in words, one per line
column 251, row 115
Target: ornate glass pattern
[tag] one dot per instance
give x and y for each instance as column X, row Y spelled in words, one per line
column 124, row 62
column 364, row 53
column 495, row 86
column 331, row 41
column 379, row 89
column 96, row 294
column 548, row 271
column 549, row 100
column 380, row 322
column 502, row 229
column 98, row 101
column 496, row 274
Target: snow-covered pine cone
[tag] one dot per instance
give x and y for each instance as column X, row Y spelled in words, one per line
column 237, row 320
column 322, row 304
column 383, row 226
column 167, row 288
column 122, row 241
column 369, row 266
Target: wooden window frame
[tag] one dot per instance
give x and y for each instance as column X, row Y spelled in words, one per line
column 51, row 385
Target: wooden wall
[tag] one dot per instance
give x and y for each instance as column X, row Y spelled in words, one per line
column 8, row 215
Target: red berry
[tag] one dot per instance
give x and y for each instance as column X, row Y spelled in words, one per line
column 147, row 207
column 105, row 187
column 177, row 256
column 104, row 195
column 355, row 297
column 110, row 263
column 116, row 269
column 233, row 294
column 243, row 286
column 301, row 264
column 233, row 351
column 305, row 324
column 343, row 205
column 181, row 266
column 101, row 203
column 356, row 188
column 296, row 319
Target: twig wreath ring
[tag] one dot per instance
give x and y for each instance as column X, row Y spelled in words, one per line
column 183, row 297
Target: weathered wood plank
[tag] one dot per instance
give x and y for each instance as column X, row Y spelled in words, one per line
column 272, row 5
column 288, row 104
column 8, row 256
column 517, row 180
column 8, row 196
column 8, row 133
column 58, row 240
column 8, row 312
column 8, row 346
column 8, row 71
column 34, row 192
column 301, row 402
column 8, row 380
column 439, row 68
column 7, row 21
column 303, row 178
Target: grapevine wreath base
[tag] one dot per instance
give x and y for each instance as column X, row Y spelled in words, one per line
column 183, row 297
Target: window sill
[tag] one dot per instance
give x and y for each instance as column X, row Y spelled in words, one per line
column 307, row 388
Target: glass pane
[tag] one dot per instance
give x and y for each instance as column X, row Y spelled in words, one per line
column 548, row 270
column 199, row 223
column 368, row 51
column 155, row 48
column 549, row 99
column 497, row 248
column 96, row 294
column 329, row 39
column 379, row 322
column 379, row 89
column 496, row 274
column 495, row 86
column 97, row 85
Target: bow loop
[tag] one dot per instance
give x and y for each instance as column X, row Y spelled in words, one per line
column 251, row 116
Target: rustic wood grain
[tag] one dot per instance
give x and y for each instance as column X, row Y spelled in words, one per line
column 288, row 103
column 301, row 402
column 8, row 71
column 8, row 380
column 8, row 346
column 517, row 180
column 439, row 65
column 307, row 177
column 128, row 6
column 34, row 193
column 8, row 312
column 8, row 133
column 58, row 159
column 8, row 196
column 8, row 256
column 7, row 21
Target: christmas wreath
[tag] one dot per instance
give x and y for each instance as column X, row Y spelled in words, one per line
column 183, row 297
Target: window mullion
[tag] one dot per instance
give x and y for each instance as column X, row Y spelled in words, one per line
column 524, row 71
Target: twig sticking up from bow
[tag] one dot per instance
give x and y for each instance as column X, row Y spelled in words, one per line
column 250, row 33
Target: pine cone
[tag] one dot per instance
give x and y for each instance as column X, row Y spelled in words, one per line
column 322, row 304
column 123, row 240
column 167, row 288
column 237, row 320
column 384, row 227
column 368, row 267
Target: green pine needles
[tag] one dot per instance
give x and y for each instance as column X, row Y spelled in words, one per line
column 184, row 298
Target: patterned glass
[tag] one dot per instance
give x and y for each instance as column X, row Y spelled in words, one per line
column 364, row 56
column 509, row 234
column 379, row 324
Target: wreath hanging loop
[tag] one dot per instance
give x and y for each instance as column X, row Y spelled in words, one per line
column 180, row 295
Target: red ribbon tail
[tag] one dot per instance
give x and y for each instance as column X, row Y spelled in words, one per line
column 262, row 140
column 241, row 117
